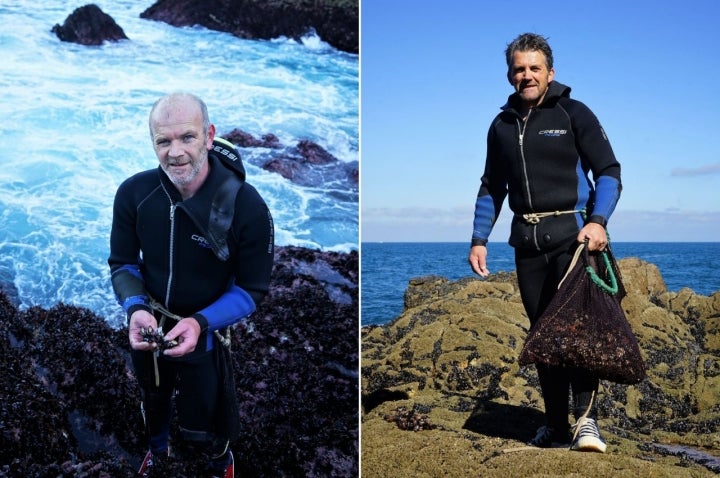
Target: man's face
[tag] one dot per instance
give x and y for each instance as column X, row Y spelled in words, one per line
column 530, row 76
column 180, row 144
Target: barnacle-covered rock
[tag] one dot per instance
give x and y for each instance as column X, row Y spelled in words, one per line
column 454, row 353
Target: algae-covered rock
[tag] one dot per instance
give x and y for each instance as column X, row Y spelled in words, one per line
column 70, row 404
column 451, row 357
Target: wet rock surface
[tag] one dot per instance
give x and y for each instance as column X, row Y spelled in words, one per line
column 306, row 163
column 452, row 358
column 337, row 22
column 69, row 403
column 89, row 25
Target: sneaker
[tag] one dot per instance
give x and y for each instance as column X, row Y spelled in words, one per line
column 587, row 437
column 548, row 437
column 226, row 470
column 153, row 462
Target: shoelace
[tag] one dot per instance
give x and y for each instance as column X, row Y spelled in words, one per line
column 586, row 427
column 583, row 421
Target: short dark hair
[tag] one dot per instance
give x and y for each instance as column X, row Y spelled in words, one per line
column 529, row 42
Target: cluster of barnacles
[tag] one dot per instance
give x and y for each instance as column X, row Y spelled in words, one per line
column 409, row 420
column 156, row 336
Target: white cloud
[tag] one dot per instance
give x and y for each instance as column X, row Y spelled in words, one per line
column 706, row 170
column 455, row 225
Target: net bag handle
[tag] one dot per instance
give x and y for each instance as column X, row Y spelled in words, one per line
column 612, row 287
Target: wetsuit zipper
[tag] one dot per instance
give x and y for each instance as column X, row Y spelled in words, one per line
column 521, row 135
column 171, row 252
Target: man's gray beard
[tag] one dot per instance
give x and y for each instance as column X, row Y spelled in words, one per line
column 187, row 179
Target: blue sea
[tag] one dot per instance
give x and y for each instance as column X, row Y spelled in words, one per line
column 386, row 268
column 74, row 125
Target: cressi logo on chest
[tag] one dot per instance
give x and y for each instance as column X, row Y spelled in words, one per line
column 552, row 132
column 202, row 242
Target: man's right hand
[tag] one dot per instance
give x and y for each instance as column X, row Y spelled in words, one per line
column 138, row 320
column 478, row 260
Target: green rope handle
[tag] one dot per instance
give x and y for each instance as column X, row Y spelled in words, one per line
column 612, row 288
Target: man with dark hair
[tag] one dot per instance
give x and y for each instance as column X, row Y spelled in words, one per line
column 191, row 251
column 541, row 150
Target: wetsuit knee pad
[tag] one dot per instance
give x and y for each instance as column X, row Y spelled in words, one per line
column 213, row 444
column 195, row 436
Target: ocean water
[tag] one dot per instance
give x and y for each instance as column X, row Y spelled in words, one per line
column 74, row 125
column 386, row 268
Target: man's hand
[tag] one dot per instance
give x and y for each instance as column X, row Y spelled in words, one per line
column 478, row 260
column 186, row 333
column 596, row 236
column 141, row 319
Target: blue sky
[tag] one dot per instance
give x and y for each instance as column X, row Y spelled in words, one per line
column 433, row 78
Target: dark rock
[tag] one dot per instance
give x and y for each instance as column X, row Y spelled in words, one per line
column 312, row 153
column 89, row 25
column 69, row 404
column 336, row 22
column 7, row 285
column 308, row 164
column 246, row 140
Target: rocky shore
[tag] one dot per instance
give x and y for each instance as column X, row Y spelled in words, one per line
column 337, row 22
column 443, row 394
column 69, row 404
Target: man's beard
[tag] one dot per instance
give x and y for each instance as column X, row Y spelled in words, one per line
column 186, row 178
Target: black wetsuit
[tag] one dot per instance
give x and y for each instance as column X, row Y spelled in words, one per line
column 164, row 249
column 543, row 164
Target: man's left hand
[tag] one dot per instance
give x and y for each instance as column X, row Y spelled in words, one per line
column 186, row 333
column 596, row 236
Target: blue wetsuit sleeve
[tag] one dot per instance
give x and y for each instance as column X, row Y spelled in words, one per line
column 492, row 193
column 484, row 220
column 233, row 306
column 607, row 194
column 596, row 152
column 129, row 288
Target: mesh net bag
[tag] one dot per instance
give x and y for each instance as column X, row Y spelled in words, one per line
column 584, row 325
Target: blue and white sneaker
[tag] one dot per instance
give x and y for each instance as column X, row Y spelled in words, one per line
column 587, row 436
column 549, row 437
column 224, row 469
column 154, row 465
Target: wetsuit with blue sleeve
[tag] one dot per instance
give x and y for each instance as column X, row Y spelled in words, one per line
column 208, row 257
column 543, row 164
column 160, row 249
column 558, row 172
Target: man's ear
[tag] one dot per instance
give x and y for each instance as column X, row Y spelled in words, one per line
column 210, row 136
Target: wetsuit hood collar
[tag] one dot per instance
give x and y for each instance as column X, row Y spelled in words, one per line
column 556, row 90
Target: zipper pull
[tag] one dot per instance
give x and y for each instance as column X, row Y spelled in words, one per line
column 172, row 212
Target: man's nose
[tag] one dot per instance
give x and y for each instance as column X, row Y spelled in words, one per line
column 175, row 149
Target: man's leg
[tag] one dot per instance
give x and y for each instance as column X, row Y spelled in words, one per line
column 197, row 402
column 539, row 274
column 156, row 400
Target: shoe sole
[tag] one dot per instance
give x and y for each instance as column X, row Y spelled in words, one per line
column 230, row 472
column 552, row 445
column 591, row 444
column 144, row 465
